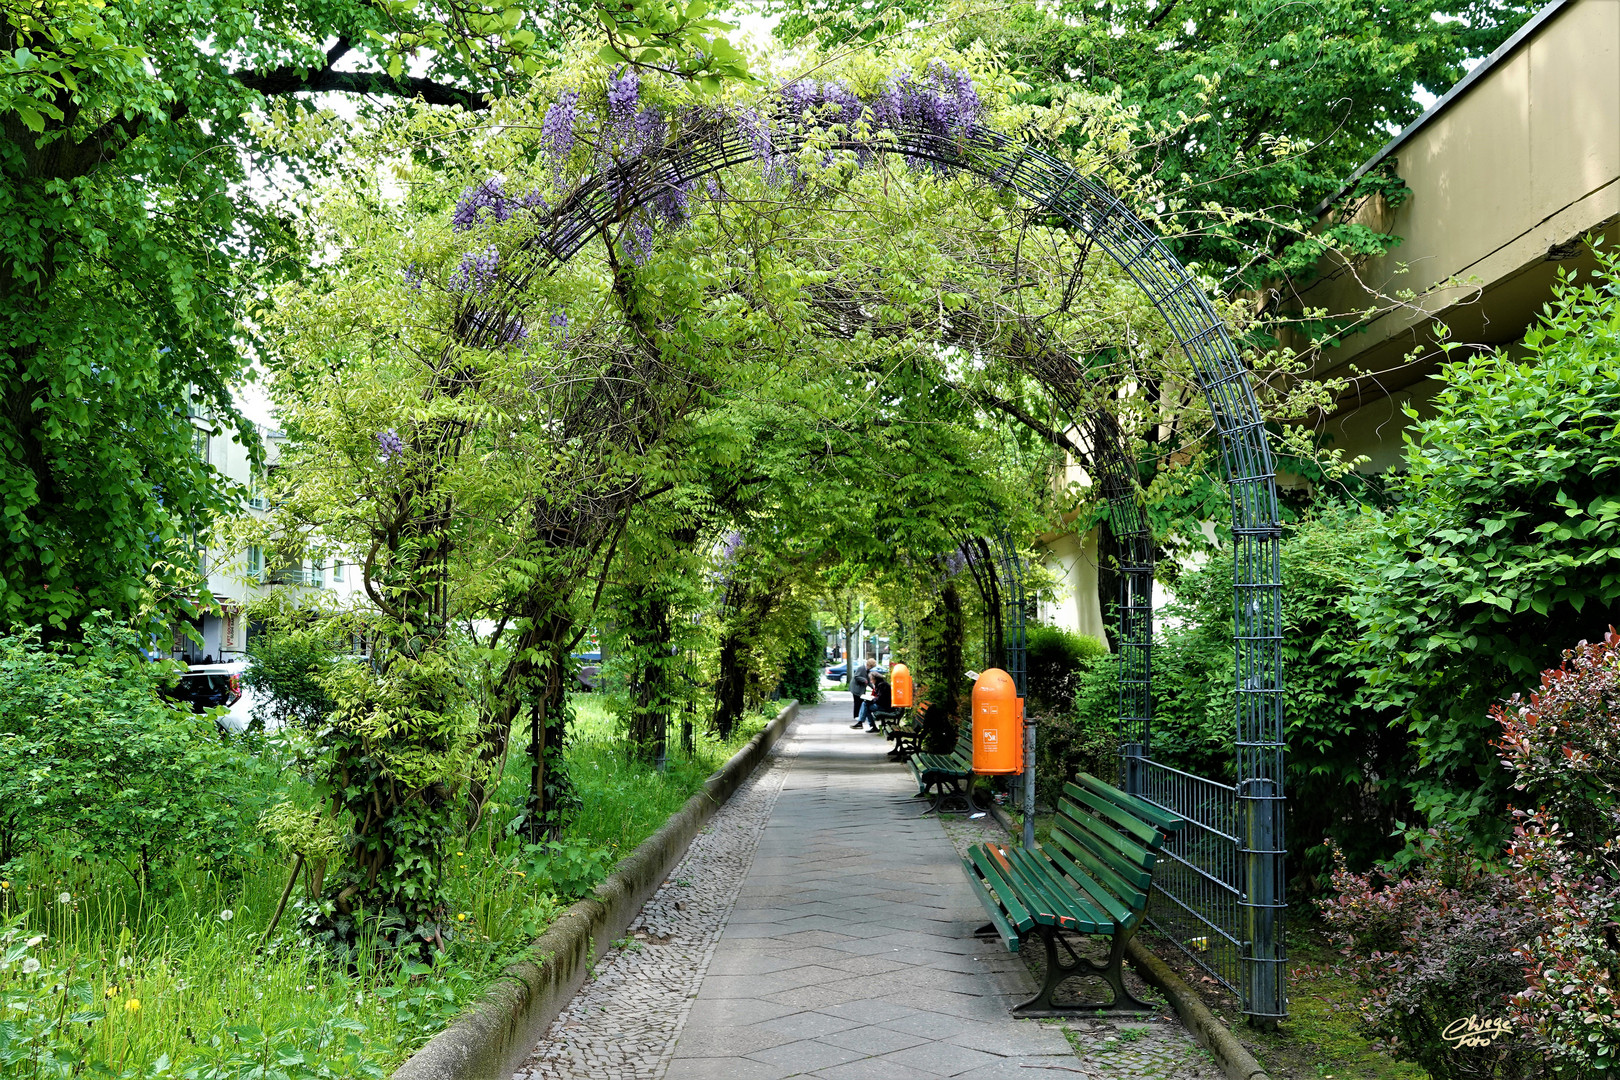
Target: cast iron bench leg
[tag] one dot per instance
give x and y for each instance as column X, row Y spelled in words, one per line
column 1058, row 972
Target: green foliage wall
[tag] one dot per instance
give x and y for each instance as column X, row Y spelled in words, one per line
column 801, row 678
column 1502, row 545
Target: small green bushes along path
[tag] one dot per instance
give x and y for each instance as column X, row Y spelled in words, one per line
column 98, row 972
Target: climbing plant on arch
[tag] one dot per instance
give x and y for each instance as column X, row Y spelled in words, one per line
column 624, row 169
column 1234, row 862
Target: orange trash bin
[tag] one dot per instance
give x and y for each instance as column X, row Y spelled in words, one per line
column 900, row 690
column 998, row 725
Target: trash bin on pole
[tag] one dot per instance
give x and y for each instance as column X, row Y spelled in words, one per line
column 900, row 689
column 998, row 725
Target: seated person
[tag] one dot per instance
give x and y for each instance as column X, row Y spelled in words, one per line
column 881, row 701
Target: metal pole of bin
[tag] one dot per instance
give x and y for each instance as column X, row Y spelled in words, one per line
column 1029, row 778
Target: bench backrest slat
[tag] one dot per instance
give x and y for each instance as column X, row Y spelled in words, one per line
column 1120, row 901
column 1104, row 863
column 1157, row 816
column 1148, row 834
column 1100, row 833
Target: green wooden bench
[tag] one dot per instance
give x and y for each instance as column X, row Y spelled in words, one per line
column 945, row 777
column 1092, row 876
column 899, row 727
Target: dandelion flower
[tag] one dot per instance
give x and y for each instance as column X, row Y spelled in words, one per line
column 112, row 991
column 35, row 941
column 227, row 915
column 30, row 965
column 5, row 884
column 461, row 916
column 132, row 1005
column 65, row 898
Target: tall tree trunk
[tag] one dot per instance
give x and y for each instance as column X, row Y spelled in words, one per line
column 650, row 699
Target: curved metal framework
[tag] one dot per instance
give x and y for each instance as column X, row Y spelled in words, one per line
column 1229, row 883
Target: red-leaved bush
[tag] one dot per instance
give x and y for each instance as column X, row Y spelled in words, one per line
column 1534, row 941
column 1433, row 948
column 1563, row 746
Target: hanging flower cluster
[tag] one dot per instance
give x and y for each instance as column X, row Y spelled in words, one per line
column 389, row 443
column 942, row 102
column 478, row 273
column 488, row 201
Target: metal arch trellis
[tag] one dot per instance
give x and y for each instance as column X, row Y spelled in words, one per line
column 1227, row 883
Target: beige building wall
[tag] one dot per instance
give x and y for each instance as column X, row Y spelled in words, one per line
column 1071, row 559
column 1507, row 174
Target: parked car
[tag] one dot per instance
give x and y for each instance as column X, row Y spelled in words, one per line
column 839, row 672
column 207, row 686
column 588, row 671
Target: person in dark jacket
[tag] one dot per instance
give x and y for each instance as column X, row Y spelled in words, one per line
column 882, row 701
column 860, row 681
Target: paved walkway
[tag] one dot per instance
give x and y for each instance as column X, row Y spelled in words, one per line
column 820, row 927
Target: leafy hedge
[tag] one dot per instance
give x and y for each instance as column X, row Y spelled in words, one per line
column 1501, row 547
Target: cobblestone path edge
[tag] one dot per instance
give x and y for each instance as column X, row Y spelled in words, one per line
column 498, row 1033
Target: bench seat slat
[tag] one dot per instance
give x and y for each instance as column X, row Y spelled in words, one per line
column 1063, row 913
column 1118, row 906
column 1010, row 936
column 1049, row 910
column 1088, row 917
column 987, row 859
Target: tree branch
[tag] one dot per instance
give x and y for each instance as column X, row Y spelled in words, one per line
column 297, row 80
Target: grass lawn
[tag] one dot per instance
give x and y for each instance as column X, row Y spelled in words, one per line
column 168, row 980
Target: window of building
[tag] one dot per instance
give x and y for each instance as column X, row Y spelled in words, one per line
column 337, row 571
column 256, row 499
column 255, row 562
column 317, row 575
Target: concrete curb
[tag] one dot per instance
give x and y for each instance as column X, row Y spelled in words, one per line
column 1231, row 1055
column 499, row 1031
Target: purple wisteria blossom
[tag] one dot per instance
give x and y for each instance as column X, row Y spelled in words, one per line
column 412, row 277
column 478, row 272
column 487, row 201
column 944, row 102
column 637, row 240
column 557, row 132
column 389, row 443
column 671, row 204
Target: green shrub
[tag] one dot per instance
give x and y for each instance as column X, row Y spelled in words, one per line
column 1502, row 545
column 1054, row 659
column 1348, row 768
column 801, row 675
column 1433, row 948
column 94, row 762
column 1562, row 747
column 287, row 670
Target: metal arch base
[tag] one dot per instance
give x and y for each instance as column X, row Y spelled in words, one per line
column 1055, row 188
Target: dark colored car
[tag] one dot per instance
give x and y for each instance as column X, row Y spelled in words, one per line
column 837, row 672
column 205, row 687
column 589, row 672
